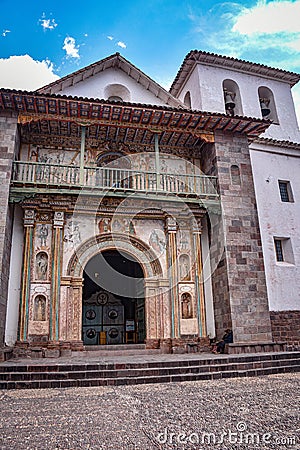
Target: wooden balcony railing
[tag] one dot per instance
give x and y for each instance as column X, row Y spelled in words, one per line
column 53, row 176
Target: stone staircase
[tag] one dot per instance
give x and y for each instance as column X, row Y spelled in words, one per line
column 161, row 370
column 116, row 350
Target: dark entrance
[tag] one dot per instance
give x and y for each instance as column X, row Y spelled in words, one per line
column 113, row 309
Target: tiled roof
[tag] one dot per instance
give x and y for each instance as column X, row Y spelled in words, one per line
column 227, row 62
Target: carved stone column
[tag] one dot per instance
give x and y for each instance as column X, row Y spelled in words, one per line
column 58, row 223
column 171, row 228
column 152, row 313
column 201, row 315
column 29, row 219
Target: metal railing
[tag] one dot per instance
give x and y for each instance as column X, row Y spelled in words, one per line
column 107, row 178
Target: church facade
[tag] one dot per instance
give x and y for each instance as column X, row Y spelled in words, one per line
column 131, row 214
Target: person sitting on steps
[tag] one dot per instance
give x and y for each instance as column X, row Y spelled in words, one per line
column 219, row 347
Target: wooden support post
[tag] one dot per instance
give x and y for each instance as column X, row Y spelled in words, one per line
column 82, row 149
column 157, row 163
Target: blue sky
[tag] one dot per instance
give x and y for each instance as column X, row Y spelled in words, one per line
column 40, row 41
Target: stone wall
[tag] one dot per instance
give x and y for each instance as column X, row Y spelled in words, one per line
column 221, row 300
column 286, row 327
column 240, row 278
column 8, row 145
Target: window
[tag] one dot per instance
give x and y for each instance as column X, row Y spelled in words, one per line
column 283, row 250
column 285, row 191
column 278, row 249
column 115, row 98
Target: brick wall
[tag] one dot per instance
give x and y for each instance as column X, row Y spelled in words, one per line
column 286, row 326
column 239, row 284
column 8, row 145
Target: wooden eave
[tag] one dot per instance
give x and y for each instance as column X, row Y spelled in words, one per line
column 41, row 112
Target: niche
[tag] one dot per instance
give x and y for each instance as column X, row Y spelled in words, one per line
column 41, row 266
column 186, row 306
column 184, row 267
column 39, row 314
column 235, row 175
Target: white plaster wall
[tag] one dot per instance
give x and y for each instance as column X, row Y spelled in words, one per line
column 278, row 219
column 210, row 98
column 94, row 87
column 14, row 284
column 192, row 85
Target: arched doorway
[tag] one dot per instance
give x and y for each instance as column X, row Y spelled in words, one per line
column 113, row 309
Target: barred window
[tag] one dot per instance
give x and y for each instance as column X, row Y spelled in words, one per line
column 278, row 249
column 285, row 191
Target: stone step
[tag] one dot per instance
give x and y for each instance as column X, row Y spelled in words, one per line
column 142, row 371
column 160, row 361
column 111, row 352
column 114, row 347
column 99, row 374
column 93, row 382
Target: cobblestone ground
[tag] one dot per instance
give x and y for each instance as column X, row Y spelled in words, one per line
column 246, row 413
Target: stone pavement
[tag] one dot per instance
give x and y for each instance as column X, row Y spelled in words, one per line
column 243, row 413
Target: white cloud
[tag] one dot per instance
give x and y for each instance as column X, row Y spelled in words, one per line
column 121, row 44
column 70, row 47
column 270, row 18
column 24, row 73
column 110, row 38
column 47, row 24
column 5, row 32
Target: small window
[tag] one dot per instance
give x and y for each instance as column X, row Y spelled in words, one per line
column 278, row 249
column 285, row 191
column 115, row 98
column 283, row 250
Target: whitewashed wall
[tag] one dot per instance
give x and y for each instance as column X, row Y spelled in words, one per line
column 94, row 87
column 210, row 79
column 279, row 219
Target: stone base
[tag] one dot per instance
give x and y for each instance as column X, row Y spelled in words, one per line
column 255, row 347
column 6, row 353
column 39, row 348
column 152, row 344
column 286, row 327
column 185, row 344
column 190, row 344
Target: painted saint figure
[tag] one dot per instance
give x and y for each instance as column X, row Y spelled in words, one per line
column 43, row 234
column 40, row 308
column 41, row 266
column 186, row 306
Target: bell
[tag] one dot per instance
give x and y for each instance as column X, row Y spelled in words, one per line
column 229, row 103
column 264, row 109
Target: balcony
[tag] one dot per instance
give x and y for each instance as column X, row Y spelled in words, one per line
column 33, row 177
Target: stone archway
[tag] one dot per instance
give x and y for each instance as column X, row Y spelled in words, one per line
column 157, row 302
